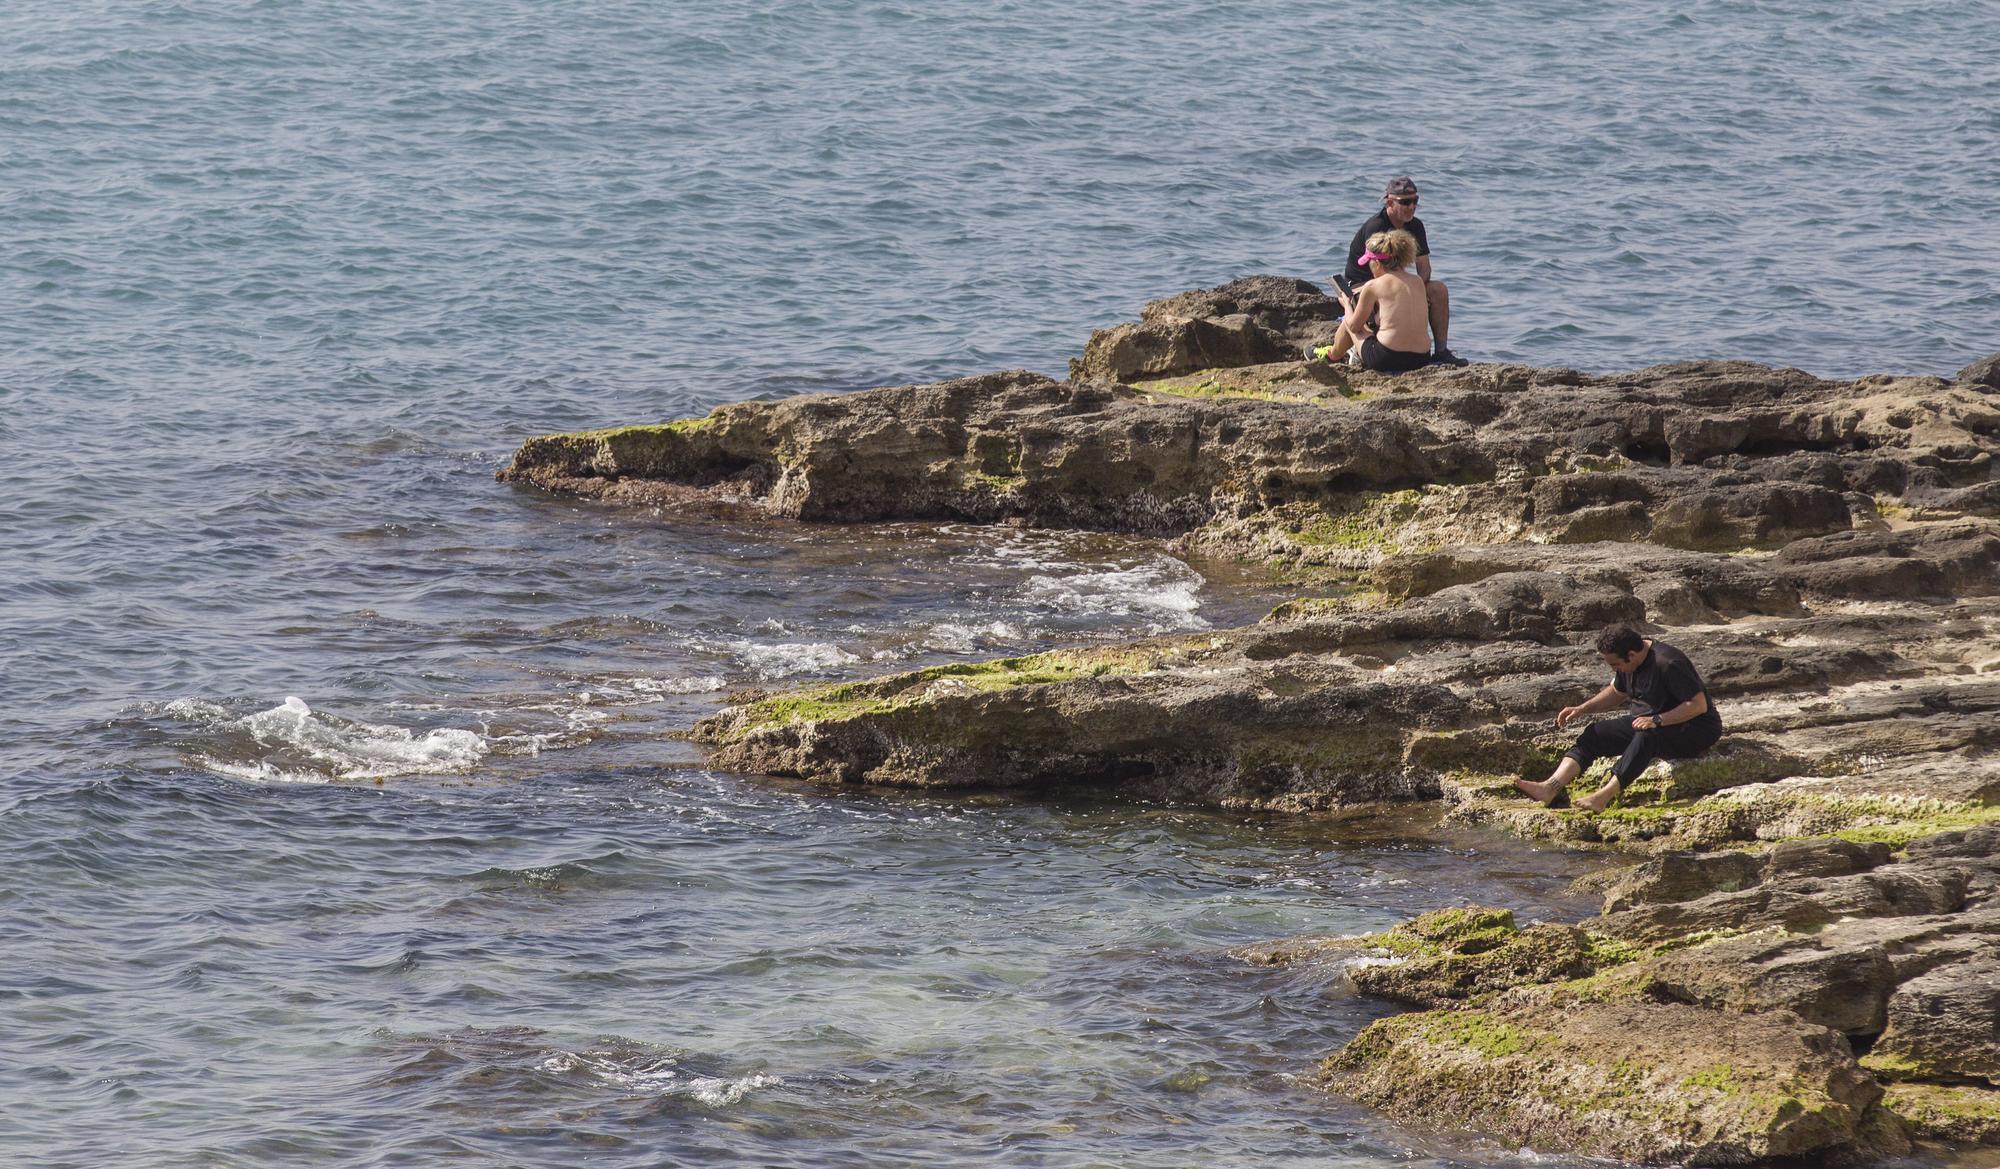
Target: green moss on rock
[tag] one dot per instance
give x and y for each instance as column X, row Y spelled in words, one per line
column 1369, row 526
column 1949, row 1112
column 855, row 699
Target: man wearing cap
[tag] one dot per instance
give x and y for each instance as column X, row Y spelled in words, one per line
column 1399, row 213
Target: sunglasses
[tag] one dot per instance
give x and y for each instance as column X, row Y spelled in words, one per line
column 1404, row 201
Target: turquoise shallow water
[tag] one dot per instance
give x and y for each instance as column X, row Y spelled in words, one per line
column 286, row 281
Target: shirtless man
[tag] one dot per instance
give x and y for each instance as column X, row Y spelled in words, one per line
column 1393, row 301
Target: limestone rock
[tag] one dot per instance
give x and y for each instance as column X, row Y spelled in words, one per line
column 1245, row 322
column 1945, row 1024
column 1631, row 1081
column 1543, row 952
column 1841, row 987
column 1951, row 560
column 1947, row 1112
column 1984, row 372
column 1683, row 876
column 1796, row 904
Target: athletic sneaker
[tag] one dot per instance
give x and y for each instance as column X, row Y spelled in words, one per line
column 1443, row 356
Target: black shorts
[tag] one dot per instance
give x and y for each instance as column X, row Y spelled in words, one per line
column 1382, row 359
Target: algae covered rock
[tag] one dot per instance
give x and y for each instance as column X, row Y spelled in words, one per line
column 1947, row 1112
column 1633, row 1081
column 1455, row 955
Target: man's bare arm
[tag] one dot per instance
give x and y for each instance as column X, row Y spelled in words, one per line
column 1604, row 699
column 1424, row 269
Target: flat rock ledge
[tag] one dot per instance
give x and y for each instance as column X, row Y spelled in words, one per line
column 1805, row 966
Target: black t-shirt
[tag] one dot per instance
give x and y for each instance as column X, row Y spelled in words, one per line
column 1664, row 680
column 1356, row 274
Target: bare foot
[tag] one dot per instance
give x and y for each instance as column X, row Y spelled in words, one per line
column 1598, row 800
column 1543, row 792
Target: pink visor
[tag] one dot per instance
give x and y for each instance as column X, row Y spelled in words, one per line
column 1372, row 257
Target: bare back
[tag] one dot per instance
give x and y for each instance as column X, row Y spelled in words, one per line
column 1403, row 322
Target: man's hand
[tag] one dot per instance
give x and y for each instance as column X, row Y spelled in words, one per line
column 1646, row 722
column 1567, row 713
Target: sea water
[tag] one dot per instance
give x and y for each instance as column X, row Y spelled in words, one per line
column 339, row 815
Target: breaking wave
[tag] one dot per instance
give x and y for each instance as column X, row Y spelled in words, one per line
column 1160, row 596
column 292, row 743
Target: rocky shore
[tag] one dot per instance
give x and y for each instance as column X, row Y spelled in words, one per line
column 1802, row 960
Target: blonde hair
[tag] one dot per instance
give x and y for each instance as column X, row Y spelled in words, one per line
column 1399, row 246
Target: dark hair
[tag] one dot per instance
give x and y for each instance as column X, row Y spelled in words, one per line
column 1620, row 639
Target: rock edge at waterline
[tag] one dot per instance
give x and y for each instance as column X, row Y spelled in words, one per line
column 1825, row 550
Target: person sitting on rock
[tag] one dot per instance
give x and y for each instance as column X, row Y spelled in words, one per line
column 1399, row 213
column 1676, row 719
column 1393, row 301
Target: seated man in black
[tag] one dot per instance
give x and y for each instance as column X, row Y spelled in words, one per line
column 1399, row 213
column 1677, row 721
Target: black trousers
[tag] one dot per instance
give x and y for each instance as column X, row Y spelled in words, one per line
column 1637, row 749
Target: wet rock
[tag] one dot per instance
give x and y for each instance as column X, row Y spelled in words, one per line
column 1165, row 346
column 1824, row 550
column 1631, row 1081
column 1979, row 846
column 1706, row 455
column 1750, row 514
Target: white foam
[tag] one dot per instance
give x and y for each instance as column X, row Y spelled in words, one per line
column 704, row 685
column 293, row 744
column 189, row 709
column 786, row 659
column 658, row 1076
column 1164, row 594
column 950, row 637
column 1364, row 961
column 720, row 1093
column 256, row 772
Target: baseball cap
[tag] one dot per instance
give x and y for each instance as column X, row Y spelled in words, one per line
column 1401, row 185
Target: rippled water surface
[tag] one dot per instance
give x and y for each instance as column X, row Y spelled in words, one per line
column 339, row 816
